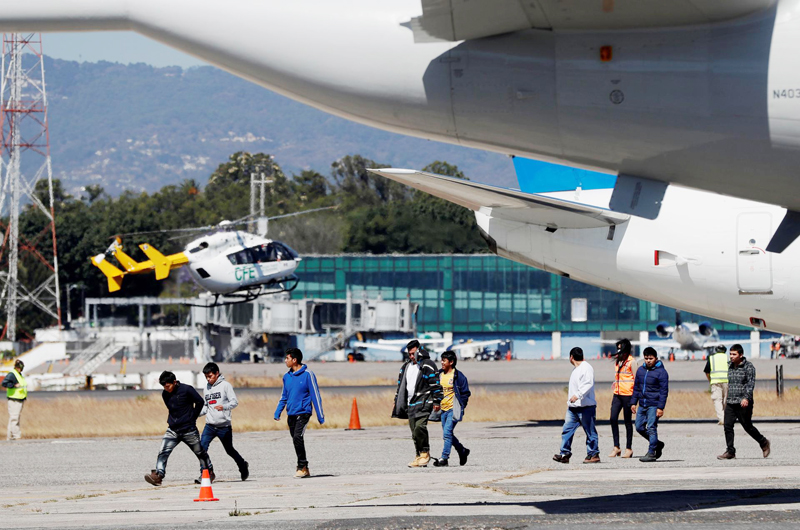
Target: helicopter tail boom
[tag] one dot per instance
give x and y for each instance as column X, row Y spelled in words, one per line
column 163, row 264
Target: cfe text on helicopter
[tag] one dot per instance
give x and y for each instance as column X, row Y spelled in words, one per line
column 227, row 262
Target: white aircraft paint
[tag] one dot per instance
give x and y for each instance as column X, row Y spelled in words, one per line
column 711, row 103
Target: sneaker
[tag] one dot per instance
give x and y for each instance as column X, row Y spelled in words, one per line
column 765, row 449
column 440, row 463
column 245, row 471
column 649, row 457
column 154, row 478
column 659, row 449
column 593, row 459
column 615, row 452
column 462, row 457
column 628, row 453
column 302, row 473
column 564, row 459
column 726, row 456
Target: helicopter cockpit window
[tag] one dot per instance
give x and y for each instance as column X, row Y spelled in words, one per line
column 243, row 257
column 263, row 253
column 284, row 252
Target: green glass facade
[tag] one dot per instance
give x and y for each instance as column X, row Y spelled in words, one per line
column 481, row 293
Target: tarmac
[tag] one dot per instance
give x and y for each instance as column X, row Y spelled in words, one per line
column 488, row 372
column 360, row 480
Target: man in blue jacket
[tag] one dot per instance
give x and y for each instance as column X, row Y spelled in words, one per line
column 455, row 396
column 650, row 390
column 300, row 392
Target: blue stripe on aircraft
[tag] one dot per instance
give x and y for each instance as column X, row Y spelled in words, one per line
column 543, row 177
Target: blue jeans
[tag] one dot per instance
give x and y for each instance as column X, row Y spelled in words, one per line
column 583, row 417
column 225, row 435
column 450, row 440
column 172, row 439
column 647, row 425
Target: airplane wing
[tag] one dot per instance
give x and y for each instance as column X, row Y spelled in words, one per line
column 455, row 20
column 654, row 344
column 728, row 343
column 376, row 346
column 505, row 203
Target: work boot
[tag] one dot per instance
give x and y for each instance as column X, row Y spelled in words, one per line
column 462, row 456
column 245, row 471
column 564, row 459
column 415, row 462
column 302, row 472
column 628, row 453
column 592, row 459
column 440, row 463
column 726, row 456
column 659, row 449
column 649, row 457
column 424, row 458
column 615, row 452
column 154, row 478
column 765, row 449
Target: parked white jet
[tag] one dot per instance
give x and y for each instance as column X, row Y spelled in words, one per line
column 686, row 337
column 701, row 93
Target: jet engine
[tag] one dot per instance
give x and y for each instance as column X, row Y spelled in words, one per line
column 705, row 329
column 664, row 330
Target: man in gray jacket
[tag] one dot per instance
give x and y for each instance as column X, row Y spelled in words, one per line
column 220, row 400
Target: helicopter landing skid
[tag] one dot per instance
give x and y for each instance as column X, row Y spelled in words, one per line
column 284, row 285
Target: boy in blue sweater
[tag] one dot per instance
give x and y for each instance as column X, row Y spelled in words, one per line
column 650, row 390
column 300, row 392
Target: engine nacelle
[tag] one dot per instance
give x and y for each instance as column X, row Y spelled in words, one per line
column 664, row 330
column 705, row 329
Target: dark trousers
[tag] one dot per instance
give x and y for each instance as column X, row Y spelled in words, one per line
column 297, row 428
column 745, row 417
column 225, row 435
column 623, row 404
column 172, row 439
column 419, row 433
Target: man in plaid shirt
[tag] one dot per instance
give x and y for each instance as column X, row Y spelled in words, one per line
column 739, row 404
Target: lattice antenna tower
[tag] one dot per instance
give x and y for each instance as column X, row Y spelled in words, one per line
column 25, row 160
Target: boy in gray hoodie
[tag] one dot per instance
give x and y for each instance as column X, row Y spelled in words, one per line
column 220, row 400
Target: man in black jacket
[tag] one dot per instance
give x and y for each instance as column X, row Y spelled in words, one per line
column 418, row 394
column 184, row 405
column 739, row 403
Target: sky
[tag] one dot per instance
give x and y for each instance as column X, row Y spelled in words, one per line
column 114, row 46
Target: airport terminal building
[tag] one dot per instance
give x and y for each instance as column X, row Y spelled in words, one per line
column 480, row 296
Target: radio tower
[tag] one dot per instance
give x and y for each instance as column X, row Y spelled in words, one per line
column 25, row 160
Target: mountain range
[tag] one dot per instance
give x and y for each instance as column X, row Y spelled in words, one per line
column 138, row 127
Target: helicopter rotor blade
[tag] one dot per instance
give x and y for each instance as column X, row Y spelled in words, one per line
column 303, row 212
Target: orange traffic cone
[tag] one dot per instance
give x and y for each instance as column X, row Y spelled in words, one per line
column 355, row 423
column 205, row 489
column 508, row 356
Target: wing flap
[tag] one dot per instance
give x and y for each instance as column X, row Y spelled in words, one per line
column 505, row 203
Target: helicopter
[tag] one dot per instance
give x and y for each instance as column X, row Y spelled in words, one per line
column 230, row 263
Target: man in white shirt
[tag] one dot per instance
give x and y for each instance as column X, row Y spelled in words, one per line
column 581, row 409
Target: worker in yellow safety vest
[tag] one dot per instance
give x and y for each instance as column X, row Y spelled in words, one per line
column 17, row 392
column 716, row 371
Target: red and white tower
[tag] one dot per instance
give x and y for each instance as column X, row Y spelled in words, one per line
column 24, row 161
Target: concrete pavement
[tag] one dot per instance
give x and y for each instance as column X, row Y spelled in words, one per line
column 360, row 480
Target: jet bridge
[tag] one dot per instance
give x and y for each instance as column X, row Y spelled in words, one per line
column 226, row 331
